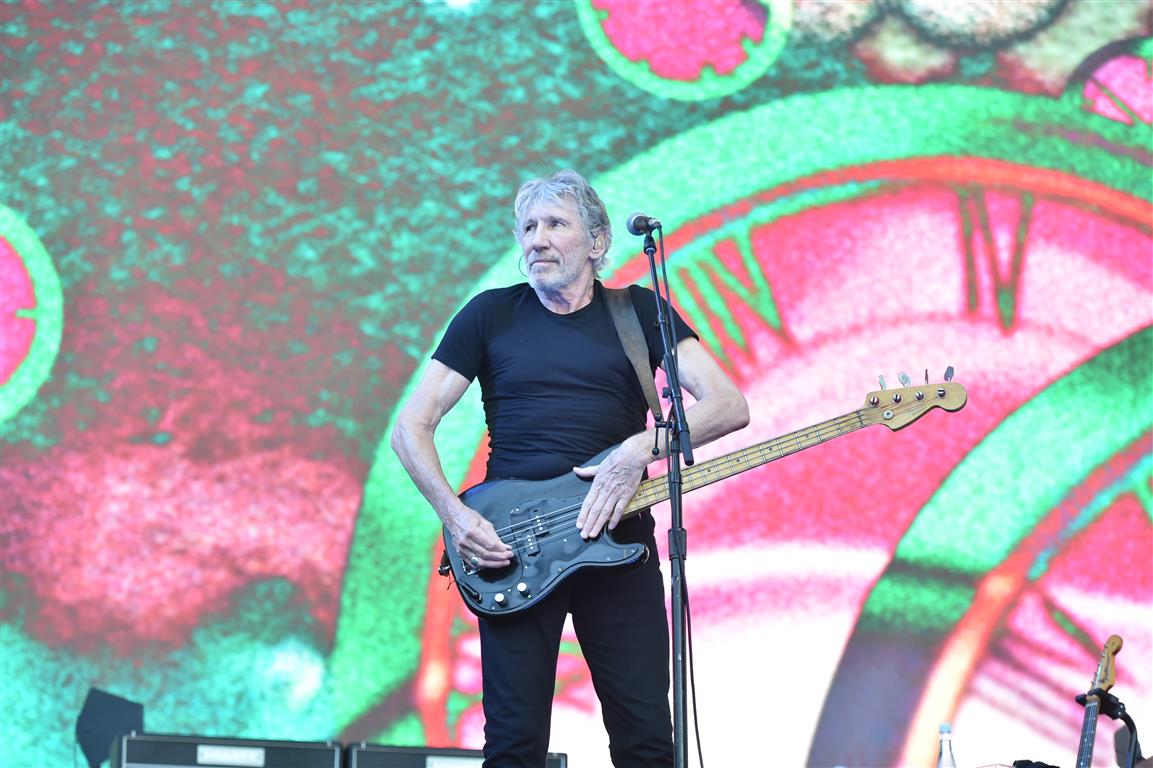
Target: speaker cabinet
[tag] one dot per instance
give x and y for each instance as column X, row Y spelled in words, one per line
column 152, row 750
column 376, row 756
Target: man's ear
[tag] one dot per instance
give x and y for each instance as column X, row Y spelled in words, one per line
column 599, row 244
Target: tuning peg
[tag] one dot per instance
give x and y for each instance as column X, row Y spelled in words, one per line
column 949, row 373
column 905, row 380
column 881, row 381
column 926, row 377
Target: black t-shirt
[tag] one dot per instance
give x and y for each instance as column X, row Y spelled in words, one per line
column 557, row 389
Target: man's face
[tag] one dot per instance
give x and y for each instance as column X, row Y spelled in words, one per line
column 557, row 248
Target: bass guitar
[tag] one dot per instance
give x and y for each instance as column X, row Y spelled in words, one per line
column 1102, row 681
column 537, row 518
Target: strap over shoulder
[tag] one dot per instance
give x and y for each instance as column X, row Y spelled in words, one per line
column 628, row 327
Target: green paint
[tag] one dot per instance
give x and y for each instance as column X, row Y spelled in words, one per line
column 48, row 313
column 972, row 203
column 1131, row 482
column 903, row 604
column 1145, row 496
column 1016, row 476
column 1033, row 460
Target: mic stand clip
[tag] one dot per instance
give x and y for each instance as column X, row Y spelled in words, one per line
column 1110, row 705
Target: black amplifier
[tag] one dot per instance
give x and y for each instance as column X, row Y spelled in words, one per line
column 155, row 750
column 376, row 756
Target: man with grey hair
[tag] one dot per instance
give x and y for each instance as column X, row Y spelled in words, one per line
column 570, row 185
column 558, row 389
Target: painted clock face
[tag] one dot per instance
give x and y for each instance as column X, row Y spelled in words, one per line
column 241, row 207
column 31, row 311
column 691, row 50
column 807, row 279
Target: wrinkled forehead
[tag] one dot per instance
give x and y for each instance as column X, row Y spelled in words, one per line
column 548, row 206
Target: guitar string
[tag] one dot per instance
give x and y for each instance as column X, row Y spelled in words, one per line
column 815, row 435
column 562, row 514
column 818, row 435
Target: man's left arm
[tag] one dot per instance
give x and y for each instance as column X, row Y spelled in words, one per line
column 720, row 408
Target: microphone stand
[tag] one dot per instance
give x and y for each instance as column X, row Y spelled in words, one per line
column 679, row 443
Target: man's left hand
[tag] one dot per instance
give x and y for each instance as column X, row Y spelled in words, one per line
column 615, row 481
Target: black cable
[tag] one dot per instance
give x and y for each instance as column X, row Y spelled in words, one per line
column 692, row 670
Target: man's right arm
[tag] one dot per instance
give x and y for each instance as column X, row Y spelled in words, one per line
column 412, row 439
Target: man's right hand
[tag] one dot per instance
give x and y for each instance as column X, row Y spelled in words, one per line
column 476, row 540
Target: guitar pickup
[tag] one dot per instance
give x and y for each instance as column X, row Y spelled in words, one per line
column 539, row 529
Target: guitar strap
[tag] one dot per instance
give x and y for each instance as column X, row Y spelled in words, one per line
column 629, row 329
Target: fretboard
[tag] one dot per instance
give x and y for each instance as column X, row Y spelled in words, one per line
column 655, row 489
column 1088, row 733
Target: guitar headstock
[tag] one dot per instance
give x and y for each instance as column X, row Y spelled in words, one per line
column 897, row 408
column 1106, row 666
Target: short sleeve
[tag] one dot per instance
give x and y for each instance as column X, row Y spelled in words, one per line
column 645, row 302
column 462, row 348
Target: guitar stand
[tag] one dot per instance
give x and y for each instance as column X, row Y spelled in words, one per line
column 1113, row 707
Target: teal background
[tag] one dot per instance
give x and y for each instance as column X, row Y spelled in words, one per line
column 258, row 216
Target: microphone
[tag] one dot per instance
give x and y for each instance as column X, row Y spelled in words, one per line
column 639, row 224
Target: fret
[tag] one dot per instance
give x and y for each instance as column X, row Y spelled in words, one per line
column 654, row 490
column 893, row 408
column 1088, row 733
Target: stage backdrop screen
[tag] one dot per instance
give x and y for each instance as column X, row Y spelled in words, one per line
column 232, row 232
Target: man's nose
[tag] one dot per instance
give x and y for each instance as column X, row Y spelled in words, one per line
column 539, row 239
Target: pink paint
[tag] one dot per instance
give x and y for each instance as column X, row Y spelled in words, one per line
column 193, row 477
column 133, row 546
column 16, row 293
column 1128, row 79
column 679, row 40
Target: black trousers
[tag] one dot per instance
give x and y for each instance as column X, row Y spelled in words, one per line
column 620, row 622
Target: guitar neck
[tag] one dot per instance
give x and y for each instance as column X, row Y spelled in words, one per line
column 655, row 489
column 1088, row 733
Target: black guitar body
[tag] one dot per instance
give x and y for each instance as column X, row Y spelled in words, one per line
column 537, row 518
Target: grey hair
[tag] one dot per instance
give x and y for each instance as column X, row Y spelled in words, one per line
column 567, row 184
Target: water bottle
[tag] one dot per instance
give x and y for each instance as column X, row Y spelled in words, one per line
column 945, row 757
